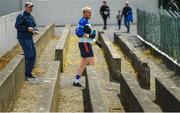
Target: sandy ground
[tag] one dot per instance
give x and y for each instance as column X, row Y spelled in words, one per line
column 4, row 60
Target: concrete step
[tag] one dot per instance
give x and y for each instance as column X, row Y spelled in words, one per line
column 61, row 47
column 113, row 58
column 97, row 103
column 134, row 97
column 140, row 65
column 133, row 94
column 13, row 74
column 162, row 86
column 49, row 96
column 167, row 95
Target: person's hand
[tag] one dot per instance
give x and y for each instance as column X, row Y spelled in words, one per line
column 30, row 29
column 36, row 32
column 86, row 35
column 93, row 34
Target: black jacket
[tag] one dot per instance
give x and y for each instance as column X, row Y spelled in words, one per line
column 104, row 10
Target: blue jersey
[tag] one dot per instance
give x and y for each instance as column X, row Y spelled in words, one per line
column 80, row 30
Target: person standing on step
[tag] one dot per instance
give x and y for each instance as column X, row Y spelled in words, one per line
column 86, row 38
column 105, row 13
column 128, row 16
column 25, row 25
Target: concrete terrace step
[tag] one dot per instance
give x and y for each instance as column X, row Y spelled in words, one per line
column 167, row 95
column 140, row 65
column 71, row 98
column 113, row 58
column 49, row 97
column 164, row 89
column 61, row 47
column 15, row 79
column 97, row 103
column 167, row 90
column 135, row 98
column 109, row 85
column 131, row 93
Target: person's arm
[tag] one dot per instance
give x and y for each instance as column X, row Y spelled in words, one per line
column 19, row 23
column 108, row 11
column 80, row 28
column 101, row 11
column 123, row 12
column 34, row 22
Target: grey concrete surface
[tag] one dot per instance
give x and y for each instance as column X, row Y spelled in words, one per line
column 113, row 58
column 61, row 47
column 49, row 97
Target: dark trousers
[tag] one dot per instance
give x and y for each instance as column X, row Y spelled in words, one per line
column 127, row 24
column 105, row 21
column 30, row 55
column 119, row 24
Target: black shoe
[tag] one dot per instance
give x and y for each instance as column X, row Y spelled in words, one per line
column 77, row 84
column 29, row 77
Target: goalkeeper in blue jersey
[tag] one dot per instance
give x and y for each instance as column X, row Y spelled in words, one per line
column 87, row 37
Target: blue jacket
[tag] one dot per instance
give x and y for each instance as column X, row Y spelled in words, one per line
column 80, row 29
column 23, row 21
column 130, row 16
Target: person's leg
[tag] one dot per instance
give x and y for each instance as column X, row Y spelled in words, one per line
column 82, row 66
column 104, row 19
column 27, row 53
column 105, row 22
column 81, row 69
column 33, row 58
column 91, row 60
column 119, row 24
column 126, row 24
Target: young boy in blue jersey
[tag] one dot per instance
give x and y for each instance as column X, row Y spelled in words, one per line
column 87, row 37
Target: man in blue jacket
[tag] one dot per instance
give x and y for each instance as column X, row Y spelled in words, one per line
column 25, row 25
column 128, row 16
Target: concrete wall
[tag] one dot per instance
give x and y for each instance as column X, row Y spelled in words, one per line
column 7, row 33
column 9, row 6
column 69, row 11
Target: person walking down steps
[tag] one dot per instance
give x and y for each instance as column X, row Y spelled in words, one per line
column 105, row 13
column 86, row 39
column 128, row 16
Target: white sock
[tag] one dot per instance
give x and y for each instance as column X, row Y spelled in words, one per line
column 76, row 80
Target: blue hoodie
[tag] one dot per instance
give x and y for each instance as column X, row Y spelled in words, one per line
column 23, row 21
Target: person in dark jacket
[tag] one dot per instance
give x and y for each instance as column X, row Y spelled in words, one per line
column 25, row 25
column 127, row 13
column 105, row 13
